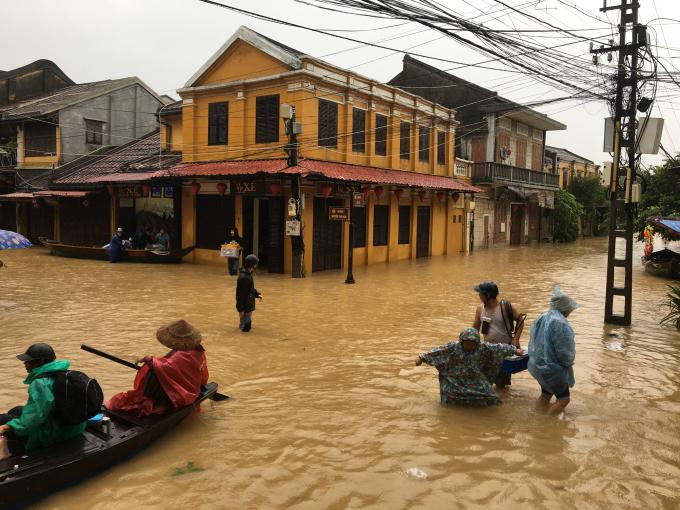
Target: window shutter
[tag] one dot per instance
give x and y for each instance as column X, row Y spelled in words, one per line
column 218, row 123
column 380, row 135
column 423, row 144
column 267, row 119
column 441, row 148
column 358, row 130
column 405, row 140
column 328, row 124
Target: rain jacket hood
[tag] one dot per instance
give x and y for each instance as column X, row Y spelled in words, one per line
column 36, row 422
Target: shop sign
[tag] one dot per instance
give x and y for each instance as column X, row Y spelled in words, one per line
column 128, row 190
column 292, row 227
column 338, row 213
column 249, row 187
column 358, row 199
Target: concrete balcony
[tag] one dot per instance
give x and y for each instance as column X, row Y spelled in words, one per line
column 462, row 168
column 489, row 172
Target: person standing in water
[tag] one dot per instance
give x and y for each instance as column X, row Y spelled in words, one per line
column 498, row 322
column 552, row 352
column 246, row 293
column 233, row 262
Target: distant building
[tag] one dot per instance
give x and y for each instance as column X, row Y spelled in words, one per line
column 568, row 165
column 49, row 121
column 505, row 141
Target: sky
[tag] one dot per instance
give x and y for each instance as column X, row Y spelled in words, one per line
column 164, row 42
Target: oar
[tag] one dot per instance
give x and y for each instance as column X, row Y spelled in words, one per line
column 217, row 397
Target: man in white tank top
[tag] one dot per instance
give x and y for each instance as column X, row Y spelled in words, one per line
column 490, row 322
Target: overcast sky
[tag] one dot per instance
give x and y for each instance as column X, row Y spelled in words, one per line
column 164, row 42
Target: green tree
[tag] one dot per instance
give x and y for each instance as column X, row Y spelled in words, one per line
column 566, row 217
column 591, row 195
column 662, row 194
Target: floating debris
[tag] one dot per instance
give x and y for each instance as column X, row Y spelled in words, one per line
column 416, row 473
column 189, row 468
column 615, row 346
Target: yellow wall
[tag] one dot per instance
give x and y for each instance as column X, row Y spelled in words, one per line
column 242, row 62
column 176, row 135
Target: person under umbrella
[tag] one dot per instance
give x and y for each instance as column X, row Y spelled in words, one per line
column 12, row 241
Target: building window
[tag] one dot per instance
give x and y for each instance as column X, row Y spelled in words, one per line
column 380, row 135
column 267, row 119
column 358, row 130
column 441, row 148
column 381, row 224
column 423, row 144
column 168, row 137
column 328, row 124
column 40, row 139
column 359, row 227
column 405, row 140
column 94, row 132
column 404, row 224
column 218, row 123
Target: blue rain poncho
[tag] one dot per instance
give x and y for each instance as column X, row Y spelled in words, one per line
column 551, row 345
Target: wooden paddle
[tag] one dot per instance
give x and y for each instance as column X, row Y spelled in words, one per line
column 217, row 397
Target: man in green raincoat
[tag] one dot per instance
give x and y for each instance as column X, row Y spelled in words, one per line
column 32, row 425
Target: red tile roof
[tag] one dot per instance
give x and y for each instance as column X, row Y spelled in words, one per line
column 373, row 175
column 328, row 169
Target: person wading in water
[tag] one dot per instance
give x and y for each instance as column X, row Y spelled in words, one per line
column 498, row 322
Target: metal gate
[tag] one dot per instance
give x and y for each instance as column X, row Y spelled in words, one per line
column 327, row 244
column 423, row 233
column 275, row 238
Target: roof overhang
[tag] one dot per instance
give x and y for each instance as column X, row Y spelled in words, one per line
column 525, row 115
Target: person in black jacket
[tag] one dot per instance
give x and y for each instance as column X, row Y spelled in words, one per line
column 232, row 262
column 246, row 293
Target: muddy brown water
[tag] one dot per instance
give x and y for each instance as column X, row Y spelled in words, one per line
column 329, row 410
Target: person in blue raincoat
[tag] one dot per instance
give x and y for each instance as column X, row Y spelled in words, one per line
column 467, row 368
column 552, row 351
column 116, row 246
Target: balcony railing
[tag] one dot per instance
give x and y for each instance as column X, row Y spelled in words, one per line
column 462, row 168
column 8, row 159
column 497, row 172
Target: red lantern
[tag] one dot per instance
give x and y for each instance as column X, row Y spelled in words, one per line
column 366, row 192
column 514, row 207
column 440, row 196
column 221, row 188
column 86, row 203
column 379, row 190
column 455, row 196
column 111, row 189
column 398, row 193
column 195, row 188
column 146, row 189
column 35, row 202
column 326, row 190
column 421, row 195
column 275, row 188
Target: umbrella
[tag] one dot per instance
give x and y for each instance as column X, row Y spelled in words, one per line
column 11, row 240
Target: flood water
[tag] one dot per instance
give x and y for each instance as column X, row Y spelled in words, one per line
column 329, row 411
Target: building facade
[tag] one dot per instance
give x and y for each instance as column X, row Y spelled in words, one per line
column 356, row 138
column 505, row 143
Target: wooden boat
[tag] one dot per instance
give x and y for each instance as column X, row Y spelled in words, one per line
column 664, row 263
column 128, row 255
column 116, row 437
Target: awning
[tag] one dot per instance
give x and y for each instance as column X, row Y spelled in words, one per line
column 17, row 196
column 30, row 195
column 670, row 225
column 327, row 169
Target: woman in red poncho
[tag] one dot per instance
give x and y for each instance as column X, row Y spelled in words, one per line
column 171, row 382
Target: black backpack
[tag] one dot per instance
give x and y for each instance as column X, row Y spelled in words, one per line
column 508, row 315
column 76, row 396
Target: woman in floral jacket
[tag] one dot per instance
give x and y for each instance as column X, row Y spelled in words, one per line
column 468, row 368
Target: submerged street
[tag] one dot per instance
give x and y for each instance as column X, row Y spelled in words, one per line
column 329, row 410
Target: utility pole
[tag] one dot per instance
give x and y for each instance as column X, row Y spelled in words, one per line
column 350, row 254
column 621, row 208
column 297, row 242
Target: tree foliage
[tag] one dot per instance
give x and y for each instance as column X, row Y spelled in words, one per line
column 662, row 194
column 591, row 195
column 566, row 217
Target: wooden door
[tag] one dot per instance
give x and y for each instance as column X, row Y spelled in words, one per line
column 327, row 243
column 515, row 224
column 275, row 237
column 423, row 232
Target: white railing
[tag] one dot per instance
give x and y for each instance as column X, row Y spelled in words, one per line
column 462, row 168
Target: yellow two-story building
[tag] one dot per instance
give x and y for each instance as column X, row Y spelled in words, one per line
column 359, row 141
